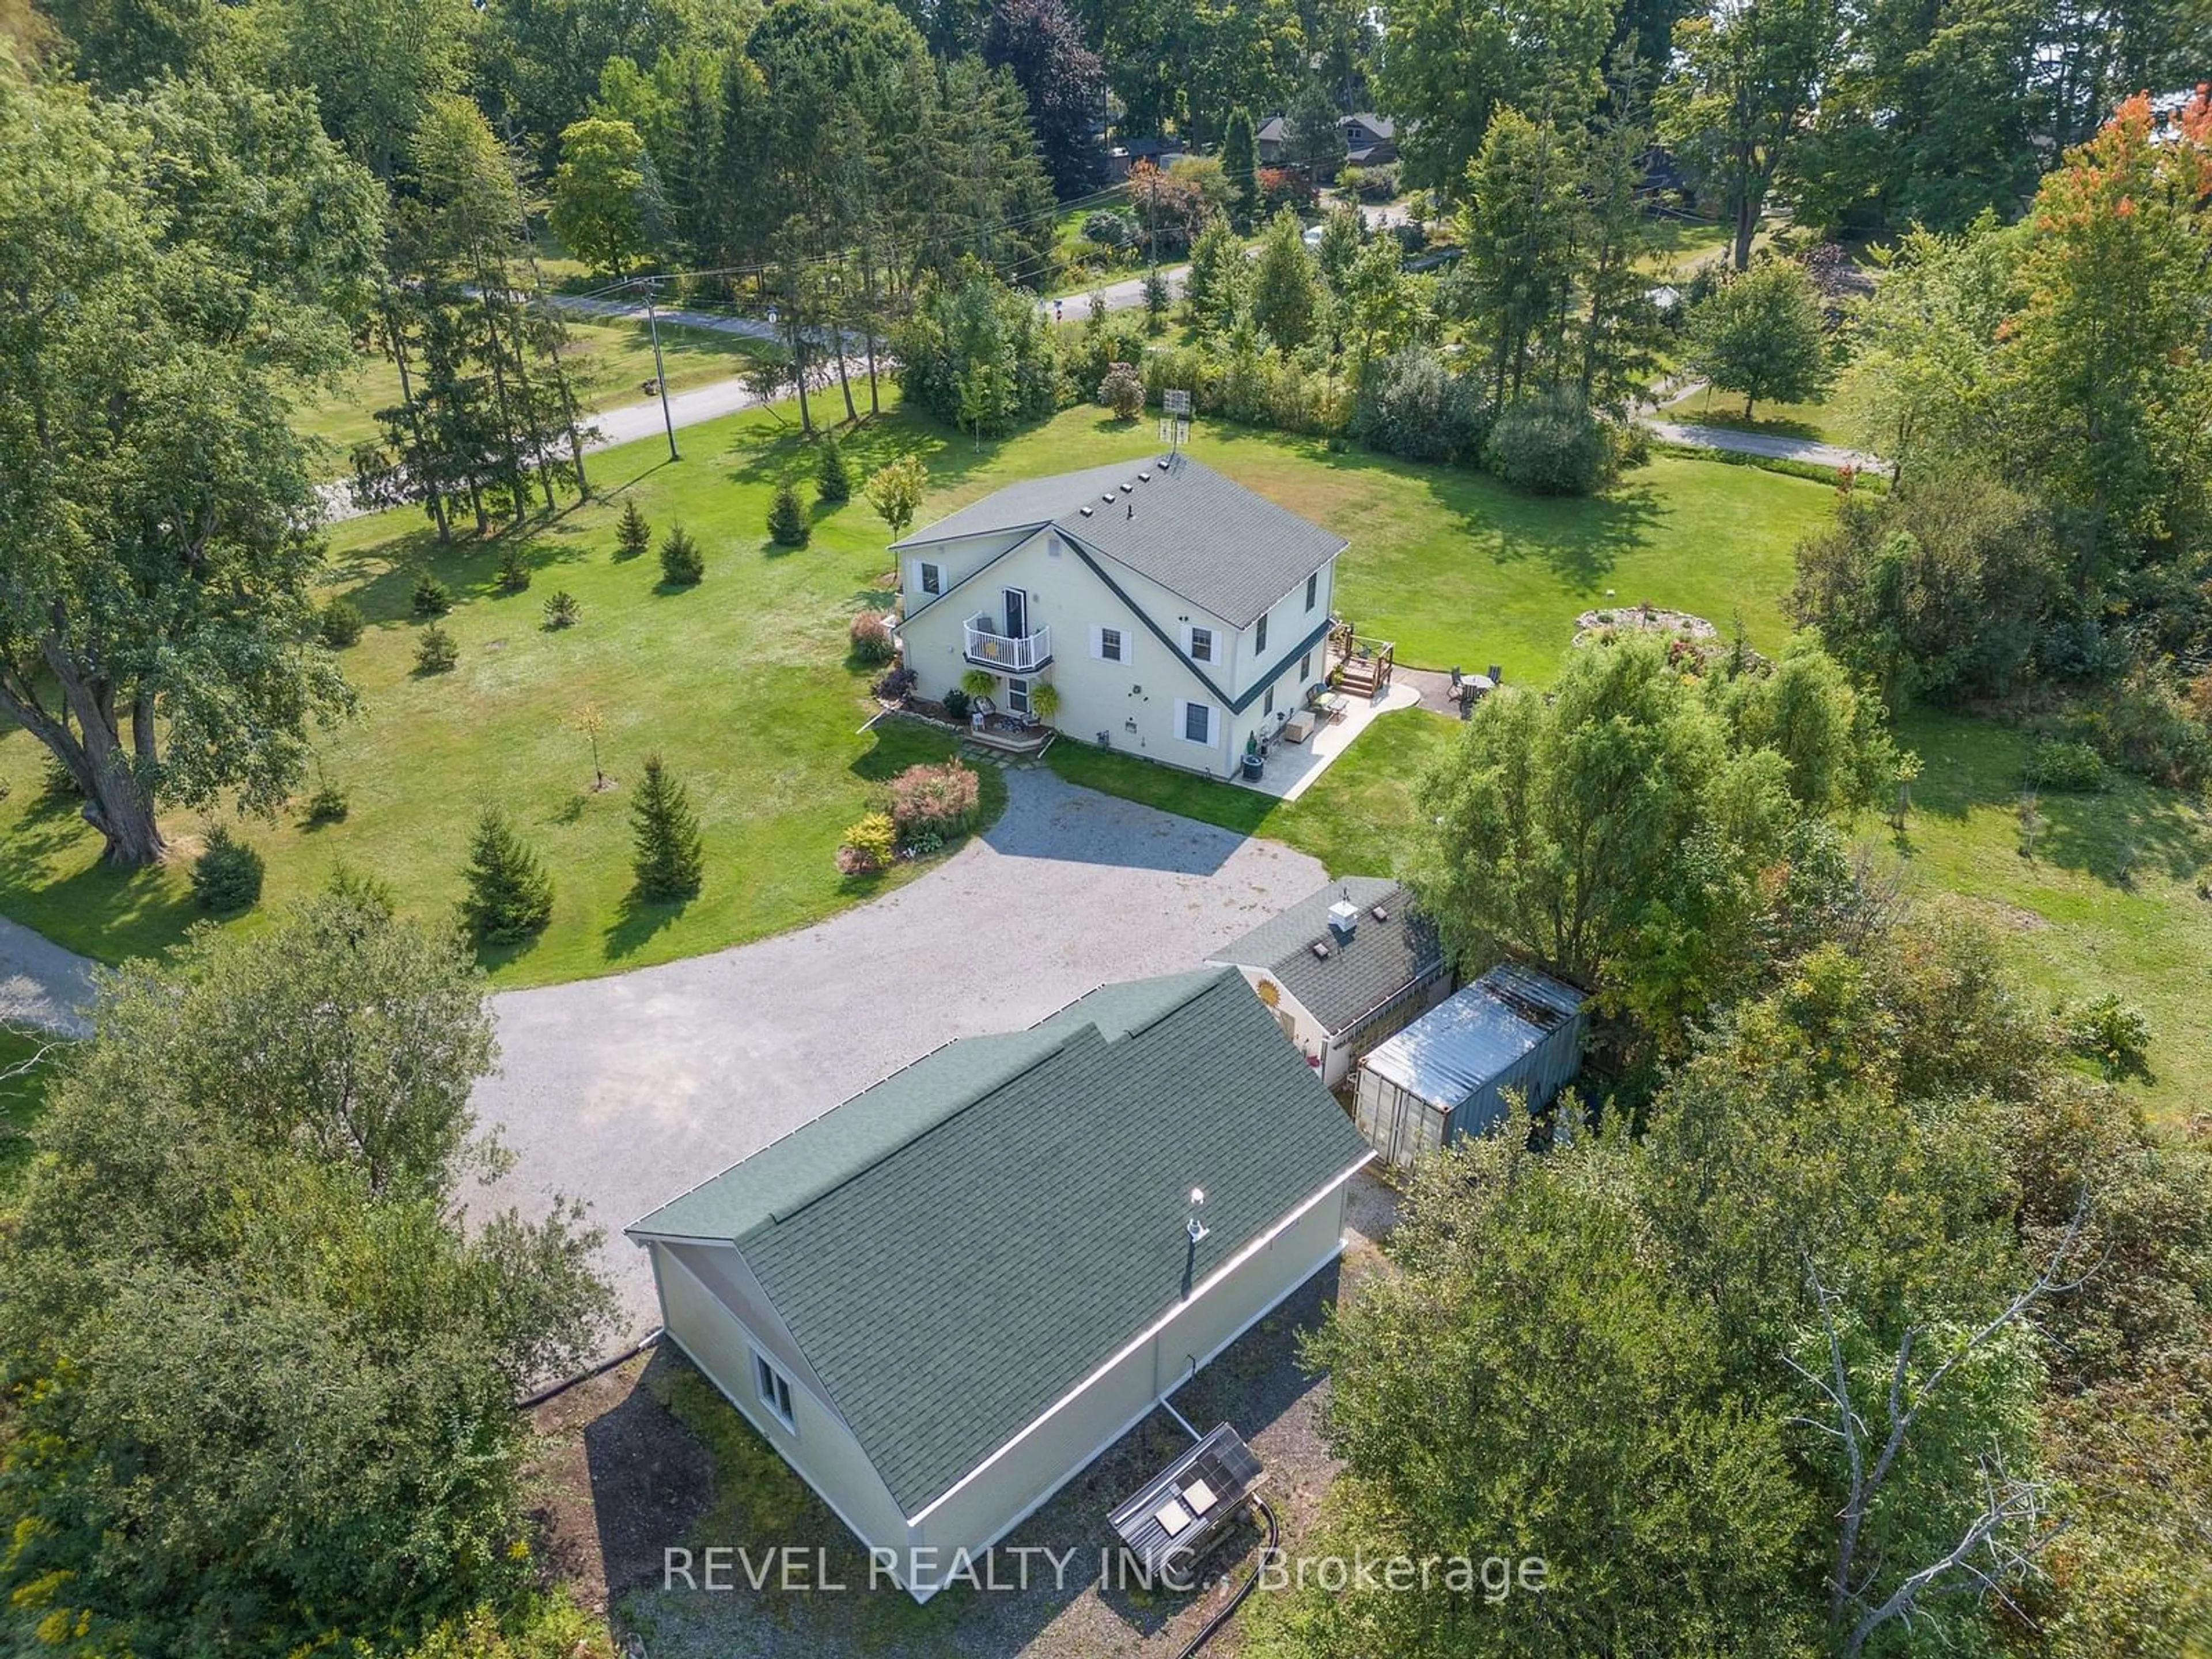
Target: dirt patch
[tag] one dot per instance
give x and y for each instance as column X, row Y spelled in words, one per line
column 614, row 1481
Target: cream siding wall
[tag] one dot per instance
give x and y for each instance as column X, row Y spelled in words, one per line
column 1001, row 1495
column 818, row 1446
column 1096, row 695
column 955, row 561
column 1138, row 703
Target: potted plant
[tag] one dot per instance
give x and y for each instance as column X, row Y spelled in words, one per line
column 1254, row 762
column 979, row 684
column 1044, row 701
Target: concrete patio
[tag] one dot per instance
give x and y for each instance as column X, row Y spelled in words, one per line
column 1294, row 768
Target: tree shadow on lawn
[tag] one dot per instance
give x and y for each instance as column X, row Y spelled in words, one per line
column 1580, row 538
column 635, row 924
column 770, row 456
column 2131, row 827
column 101, row 896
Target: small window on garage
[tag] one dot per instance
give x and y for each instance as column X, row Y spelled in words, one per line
column 774, row 1388
column 1306, row 670
column 1269, row 708
column 932, row 580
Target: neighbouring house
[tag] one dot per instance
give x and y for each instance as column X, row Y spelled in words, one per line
column 1513, row 1035
column 943, row 1298
column 1173, row 612
column 1161, row 152
column 1344, row 968
column 1370, row 140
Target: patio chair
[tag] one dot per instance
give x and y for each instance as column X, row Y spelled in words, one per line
column 1497, row 675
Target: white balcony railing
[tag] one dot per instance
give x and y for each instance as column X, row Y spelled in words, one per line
column 1023, row 655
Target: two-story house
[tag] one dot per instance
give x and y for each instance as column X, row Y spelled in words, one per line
column 1174, row 612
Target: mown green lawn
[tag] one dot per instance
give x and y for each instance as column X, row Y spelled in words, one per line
column 741, row 683
column 1358, row 820
column 611, row 361
column 1455, row 568
column 2109, row 902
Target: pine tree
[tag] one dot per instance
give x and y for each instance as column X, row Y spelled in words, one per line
column 633, row 535
column 1240, row 164
column 510, row 897
column 786, row 518
column 681, row 564
column 668, row 861
column 833, row 479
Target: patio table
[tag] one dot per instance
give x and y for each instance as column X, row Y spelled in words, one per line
column 1331, row 704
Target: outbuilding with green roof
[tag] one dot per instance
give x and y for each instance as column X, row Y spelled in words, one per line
column 941, row 1300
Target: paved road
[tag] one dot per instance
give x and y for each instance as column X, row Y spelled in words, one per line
column 1766, row 444
column 629, row 1090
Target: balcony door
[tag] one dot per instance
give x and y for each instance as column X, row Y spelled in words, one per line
column 1018, row 614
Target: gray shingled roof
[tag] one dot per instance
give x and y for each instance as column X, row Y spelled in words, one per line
column 1381, row 958
column 953, row 1259
column 1204, row 536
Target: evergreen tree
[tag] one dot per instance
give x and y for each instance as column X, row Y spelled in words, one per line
column 1240, row 162
column 633, row 535
column 786, row 518
column 681, row 564
column 510, row 897
column 669, row 862
column 833, row 478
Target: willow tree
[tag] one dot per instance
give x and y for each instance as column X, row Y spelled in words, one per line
column 170, row 270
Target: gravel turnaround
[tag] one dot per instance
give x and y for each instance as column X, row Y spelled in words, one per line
column 626, row 1091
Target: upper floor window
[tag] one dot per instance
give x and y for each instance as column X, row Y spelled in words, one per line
column 1201, row 645
column 933, row 582
column 1111, row 645
column 1260, row 635
column 1313, row 589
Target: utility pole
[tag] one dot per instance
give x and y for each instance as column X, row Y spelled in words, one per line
column 660, row 374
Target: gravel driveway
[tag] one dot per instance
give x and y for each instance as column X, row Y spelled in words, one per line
column 627, row 1091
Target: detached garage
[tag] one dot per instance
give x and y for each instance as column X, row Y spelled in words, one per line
column 1514, row 1031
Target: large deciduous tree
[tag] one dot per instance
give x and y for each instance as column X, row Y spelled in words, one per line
column 598, row 193
column 260, row 1379
column 1761, row 333
column 1636, row 830
column 168, row 268
column 1063, row 81
column 1733, row 107
column 1449, row 66
column 2106, row 383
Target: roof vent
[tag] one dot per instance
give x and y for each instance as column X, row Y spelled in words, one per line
column 1380, row 914
column 1108, row 496
column 1144, row 477
column 1087, row 511
column 1321, row 949
column 1126, row 487
column 1343, row 918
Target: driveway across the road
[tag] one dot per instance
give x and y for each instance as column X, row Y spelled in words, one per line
column 625, row 1091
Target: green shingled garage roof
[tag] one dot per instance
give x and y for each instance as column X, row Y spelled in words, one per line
column 955, row 1248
